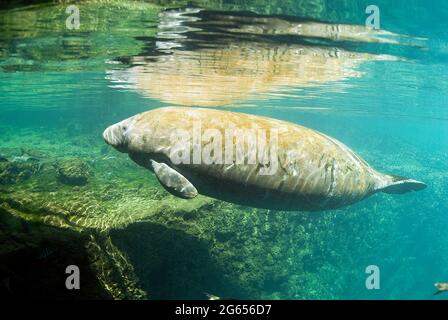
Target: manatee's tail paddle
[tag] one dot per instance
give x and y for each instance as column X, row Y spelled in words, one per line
column 397, row 185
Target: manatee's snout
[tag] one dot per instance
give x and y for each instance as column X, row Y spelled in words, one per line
column 115, row 135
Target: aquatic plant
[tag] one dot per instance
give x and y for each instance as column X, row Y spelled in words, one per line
column 73, row 172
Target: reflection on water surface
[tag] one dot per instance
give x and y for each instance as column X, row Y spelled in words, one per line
column 207, row 58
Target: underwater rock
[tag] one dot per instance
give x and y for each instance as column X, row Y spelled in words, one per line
column 74, row 172
column 33, row 257
column 14, row 171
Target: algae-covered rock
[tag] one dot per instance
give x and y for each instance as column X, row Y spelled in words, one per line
column 14, row 171
column 33, row 258
column 73, row 172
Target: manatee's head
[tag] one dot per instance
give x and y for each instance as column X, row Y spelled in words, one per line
column 117, row 135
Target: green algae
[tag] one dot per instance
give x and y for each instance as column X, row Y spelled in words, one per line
column 12, row 172
column 73, row 172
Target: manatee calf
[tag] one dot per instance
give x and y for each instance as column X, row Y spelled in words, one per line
column 249, row 160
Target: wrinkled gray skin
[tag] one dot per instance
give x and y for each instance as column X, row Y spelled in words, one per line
column 315, row 172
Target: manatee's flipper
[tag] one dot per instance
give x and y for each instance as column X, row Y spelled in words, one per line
column 173, row 181
column 397, row 185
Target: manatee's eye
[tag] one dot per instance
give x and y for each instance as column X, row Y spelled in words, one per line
column 124, row 128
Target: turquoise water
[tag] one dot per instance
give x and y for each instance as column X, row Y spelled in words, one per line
column 388, row 102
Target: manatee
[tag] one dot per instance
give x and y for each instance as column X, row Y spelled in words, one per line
column 211, row 152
